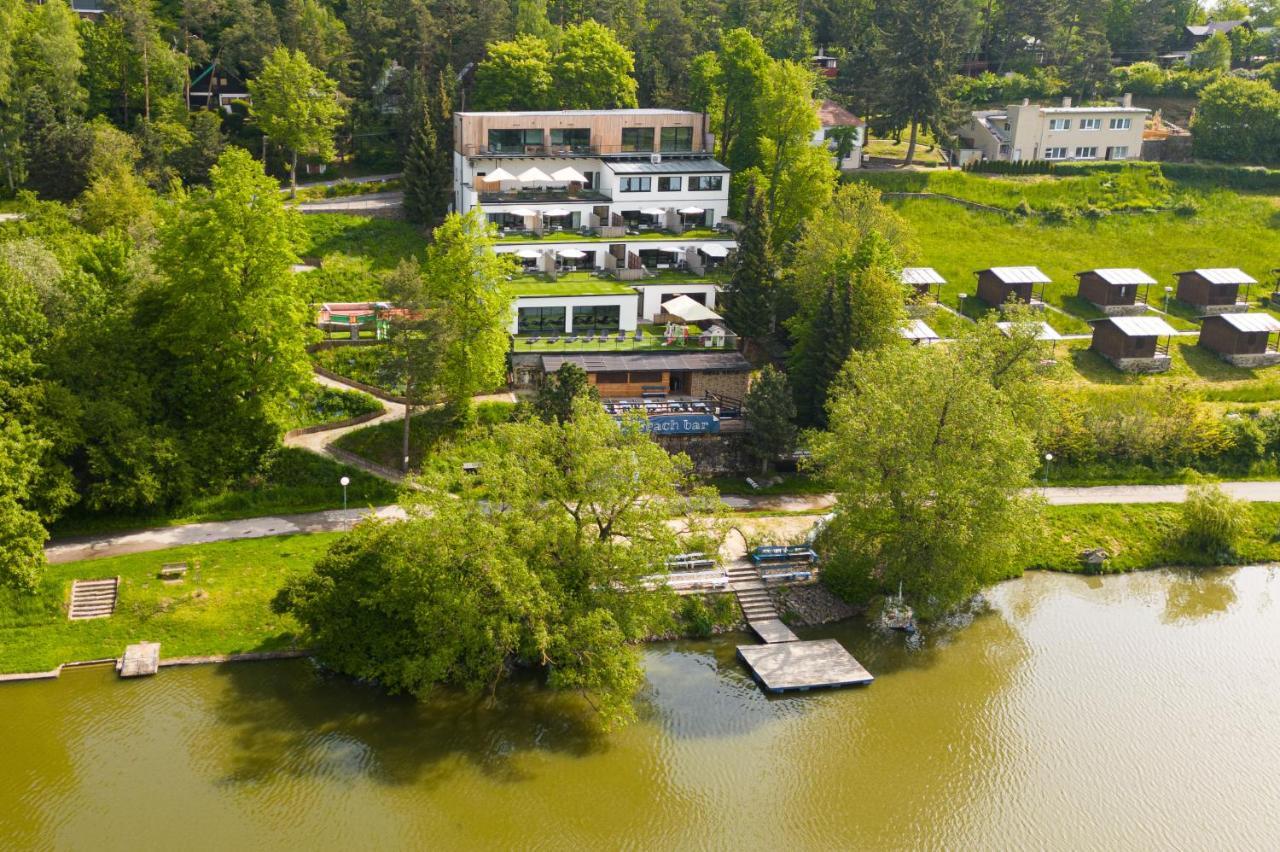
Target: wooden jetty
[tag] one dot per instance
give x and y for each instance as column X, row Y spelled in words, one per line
column 139, row 660
column 784, row 662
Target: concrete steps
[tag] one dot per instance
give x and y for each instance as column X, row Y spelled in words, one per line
column 753, row 597
column 93, row 598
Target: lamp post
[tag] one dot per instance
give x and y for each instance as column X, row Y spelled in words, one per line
column 344, row 482
column 1048, row 460
column 1168, row 291
column 963, row 296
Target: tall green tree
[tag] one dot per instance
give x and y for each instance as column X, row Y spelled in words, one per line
column 428, row 177
column 1238, row 121
column 771, row 413
column 557, row 396
column 751, row 293
column 515, row 75
column 229, row 324
column 297, row 106
column 1213, row 54
column 728, row 85
column 592, row 69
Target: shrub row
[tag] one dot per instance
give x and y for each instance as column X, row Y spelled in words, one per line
column 1230, row 177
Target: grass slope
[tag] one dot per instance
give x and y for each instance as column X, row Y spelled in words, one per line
column 383, row 443
column 221, row 607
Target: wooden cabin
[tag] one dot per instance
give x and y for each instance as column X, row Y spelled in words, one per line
column 922, row 279
column 1214, row 291
column 1242, row 339
column 1115, row 291
column 1133, row 344
column 1000, row 283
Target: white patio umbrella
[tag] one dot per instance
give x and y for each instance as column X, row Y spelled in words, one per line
column 499, row 174
column 533, row 174
column 572, row 253
column 569, row 175
column 714, row 250
column 653, row 211
column 529, row 254
column 692, row 211
column 556, row 211
column 522, row 211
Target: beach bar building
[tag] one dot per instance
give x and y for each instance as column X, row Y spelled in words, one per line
column 1214, row 291
column 1022, row 283
column 922, row 279
column 1134, row 344
column 1245, row 340
column 1116, row 292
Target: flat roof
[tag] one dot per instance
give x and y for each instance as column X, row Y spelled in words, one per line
column 671, row 164
column 1018, row 274
column 640, row 111
column 1222, row 275
column 570, row 287
column 728, row 362
column 1120, row 276
column 1250, row 321
column 921, row 275
column 1141, row 326
column 1094, row 109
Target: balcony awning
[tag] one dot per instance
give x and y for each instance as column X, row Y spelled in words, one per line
column 556, row 211
column 714, row 250
column 689, row 310
column 692, row 211
column 570, row 175
column 571, row 253
column 653, row 211
column 529, row 254
column 533, row 175
column 499, row 174
column 522, row 211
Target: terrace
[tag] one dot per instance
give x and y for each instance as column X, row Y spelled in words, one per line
column 568, row 284
column 587, row 235
column 646, row 338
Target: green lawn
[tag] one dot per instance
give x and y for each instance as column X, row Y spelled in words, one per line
column 298, row 481
column 221, row 607
column 383, row 242
column 383, row 443
column 1193, row 367
column 572, row 284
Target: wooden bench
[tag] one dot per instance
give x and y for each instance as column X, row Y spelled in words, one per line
column 173, row 570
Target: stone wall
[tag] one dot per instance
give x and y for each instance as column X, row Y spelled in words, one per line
column 711, row 454
column 725, row 384
column 1142, row 365
column 1253, row 360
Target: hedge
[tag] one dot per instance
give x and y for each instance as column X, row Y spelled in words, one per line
column 1232, row 177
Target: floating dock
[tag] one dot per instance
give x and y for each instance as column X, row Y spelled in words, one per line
column 139, row 660
column 786, row 666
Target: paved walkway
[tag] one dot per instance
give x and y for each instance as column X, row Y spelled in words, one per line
column 369, row 204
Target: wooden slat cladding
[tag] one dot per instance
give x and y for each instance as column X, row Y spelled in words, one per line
column 471, row 130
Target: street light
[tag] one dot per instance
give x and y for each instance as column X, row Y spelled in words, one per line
column 344, row 482
column 1048, row 459
column 963, row 296
column 1168, row 291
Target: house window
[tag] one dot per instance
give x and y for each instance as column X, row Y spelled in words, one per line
column 1087, row 153
column 646, row 377
column 612, row 378
column 1006, row 125
column 634, row 184
column 1090, row 124
column 706, row 183
column 637, row 139
column 540, row 320
column 574, row 138
column 591, row 180
column 596, row 317
column 1121, row 123
column 1059, row 124
column 513, row 141
column 677, row 139
column 1118, row 152
column 1055, row 153
column 668, row 184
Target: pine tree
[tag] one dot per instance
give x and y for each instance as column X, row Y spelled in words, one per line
column 750, row 295
column 771, row 413
column 421, row 188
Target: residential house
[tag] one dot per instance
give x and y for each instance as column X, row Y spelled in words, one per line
column 824, row 65
column 1030, row 131
column 834, row 121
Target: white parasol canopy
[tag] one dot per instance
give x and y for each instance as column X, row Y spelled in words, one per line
column 653, row 211
column 522, row 211
column 692, row 211
column 571, row 253
column 499, row 174
column 533, row 174
column 570, row 175
column 714, row 250
column 689, row 310
column 556, row 211
column 529, row 254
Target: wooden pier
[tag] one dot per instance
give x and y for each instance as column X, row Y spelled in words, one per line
column 785, row 662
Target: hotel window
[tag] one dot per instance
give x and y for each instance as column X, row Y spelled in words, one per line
column 1090, row 124
column 706, row 183
column 596, row 317
column 576, row 139
column 638, row 139
column 677, row 139
column 668, row 184
column 1059, row 124
column 513, row 141
column 634, row 184
column 1087, row 153
column 540, row 320
column 1118, row 152
column 1055, row 153
column 1121, row 123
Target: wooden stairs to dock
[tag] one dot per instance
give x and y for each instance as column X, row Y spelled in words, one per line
column 753, row 597
column 93, row 598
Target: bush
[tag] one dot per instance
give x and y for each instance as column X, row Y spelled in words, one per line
column 1212, row 523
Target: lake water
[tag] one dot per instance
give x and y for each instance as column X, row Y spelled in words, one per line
column 1129, row 712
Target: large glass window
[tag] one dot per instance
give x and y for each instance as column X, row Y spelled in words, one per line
column 540, row 320
column 634, row 184
column 513, row 141
column 574, row 138
column 637, row 138
column 668, row 184
column 706, row 183
column 677, row 139
column 596, row 317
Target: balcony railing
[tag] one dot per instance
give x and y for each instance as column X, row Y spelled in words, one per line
column 542, row 195
column 570, row 151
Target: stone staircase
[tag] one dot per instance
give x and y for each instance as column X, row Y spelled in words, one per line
column 753, row 597
column 93, row 598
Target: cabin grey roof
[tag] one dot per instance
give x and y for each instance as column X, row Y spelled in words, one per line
column 918, row 329
column 1018, row 274
column 1223, row 275
column 1251, row 322
column 1213, row 27
column 667, row 166
column 1044, row 332
column 1121, row 276
column 921, row 275
column 718, row 361
column 1141, row 326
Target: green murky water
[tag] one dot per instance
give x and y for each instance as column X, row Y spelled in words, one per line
column 1127, row 713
